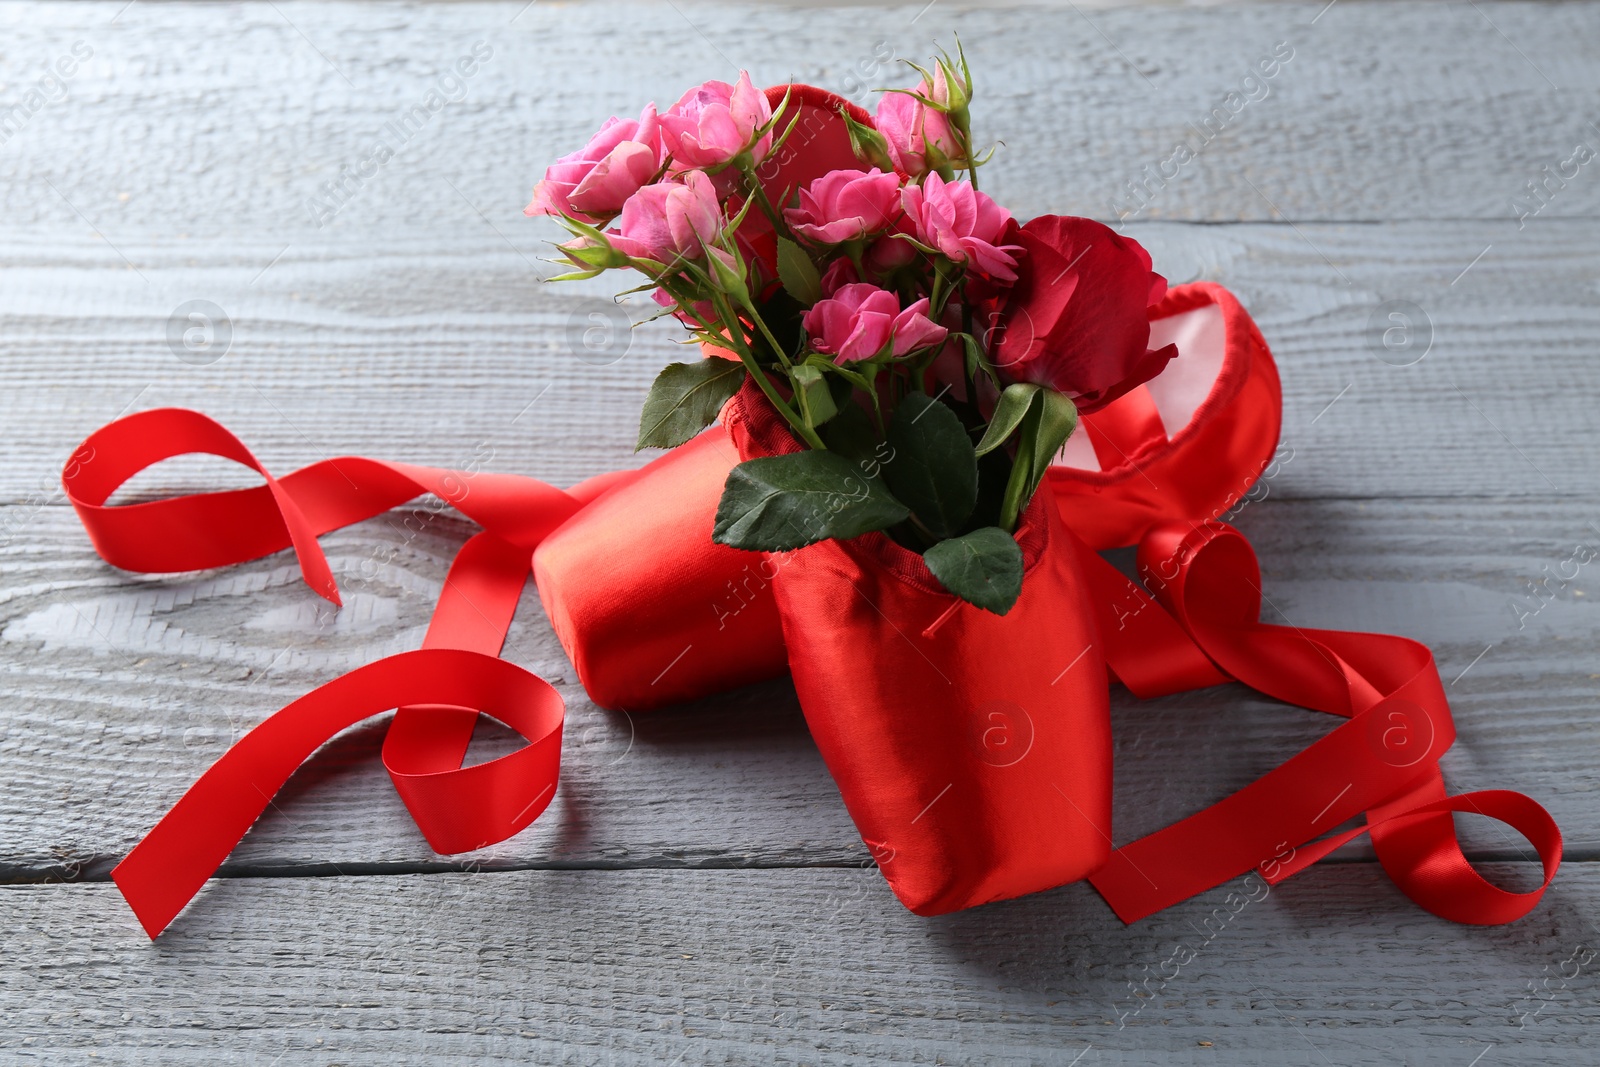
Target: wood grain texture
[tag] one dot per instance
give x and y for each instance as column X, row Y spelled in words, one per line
column 697, row 894
column 119, row 690
column 737, row 967
column 185, row 121
column 450, row 353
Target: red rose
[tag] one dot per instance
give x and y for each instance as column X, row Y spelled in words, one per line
column 1077, row 319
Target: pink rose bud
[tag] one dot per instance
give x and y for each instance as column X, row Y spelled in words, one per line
column 670, row 220
column 701, row 308
column 888, row 253
column 846, row 205
column 860, row 320
column 963, row 224
column 716, row 121
column 840, row 273
column 920, row 138
column 952, row 91
column 594, row 182
column 1078, row 320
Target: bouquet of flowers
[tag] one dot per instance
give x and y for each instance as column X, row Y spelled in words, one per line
column 912, row 522
column 898, row 362
column 929, row 354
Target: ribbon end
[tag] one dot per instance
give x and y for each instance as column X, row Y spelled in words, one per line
column 933, row 627
column 320, row 578
column 152, row 922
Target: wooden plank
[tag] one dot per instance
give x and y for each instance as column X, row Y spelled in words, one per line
column 1420, row 499
column 1398, row 111
column 448, row 352
column 116, row 691
column 654, row 967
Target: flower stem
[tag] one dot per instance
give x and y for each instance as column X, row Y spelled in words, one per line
column 761, row 324
column 1011, row 504
column 755, row 189
column 749, row 360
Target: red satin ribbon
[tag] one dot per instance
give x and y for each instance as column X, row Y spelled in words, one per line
column 439, row 691
column 1199, row 629
column 173, row 861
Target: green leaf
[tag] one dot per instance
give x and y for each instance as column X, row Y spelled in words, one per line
column 984, row 568
column 855, row 378
column 931, row 466
column 1045, row 429
column 842, row 389
column 977, row 361
column 797, row 273
column 685, row 399
column 1008, row 413
column 776, row 503
column 973, row 354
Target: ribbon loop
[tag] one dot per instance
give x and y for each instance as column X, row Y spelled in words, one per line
column 189, row 532
column 457, row 808
column 174, row 859
column 202, row 530
column 1205, row 579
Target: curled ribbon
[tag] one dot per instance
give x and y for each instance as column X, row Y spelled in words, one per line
column 1198, row 628
column 1201, row 627
column 440, row 689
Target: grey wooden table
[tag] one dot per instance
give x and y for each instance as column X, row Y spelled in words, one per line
column 697, row 894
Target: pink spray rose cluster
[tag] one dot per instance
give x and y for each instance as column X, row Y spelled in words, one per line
column 715, row 122
column 846, row 205
column 662, row 178
column 860, row 278
column 920, row 137
column 879, row 226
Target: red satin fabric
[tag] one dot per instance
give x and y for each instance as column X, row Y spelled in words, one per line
column 1205, row 468
column 648, row 608
column 456, row 808
column 168, row 867
column 1199, row 629
column 1383, row 761
column 972, row 750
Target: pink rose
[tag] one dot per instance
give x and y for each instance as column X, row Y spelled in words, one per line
column 912, row 128
column 860, row 319
column 846, row 205
column 670, row 220
column 716, row 121
column 962, row 224
column 593, row 183
column 1077, row 319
